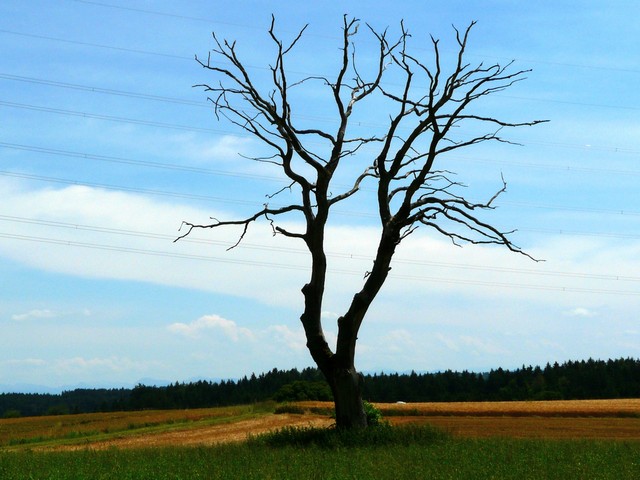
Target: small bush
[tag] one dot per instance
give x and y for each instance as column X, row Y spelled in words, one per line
column 302, row 390
column 11, row 413
column 332, row 438
column 374, row 415
column 329, row 411
column 61, row 409
column 289, row 408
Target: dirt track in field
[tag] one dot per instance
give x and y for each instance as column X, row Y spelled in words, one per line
column 591, row 419
column 208, row 435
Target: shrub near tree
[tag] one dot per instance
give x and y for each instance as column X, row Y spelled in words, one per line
column 301, row 390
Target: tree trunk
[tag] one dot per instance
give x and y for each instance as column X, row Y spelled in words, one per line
column 346, row 385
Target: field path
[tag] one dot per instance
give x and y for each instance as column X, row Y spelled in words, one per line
column 209, row 435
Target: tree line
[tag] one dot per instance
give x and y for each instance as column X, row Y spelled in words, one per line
column 573, row 380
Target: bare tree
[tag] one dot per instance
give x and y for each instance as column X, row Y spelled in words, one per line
column 425, row 106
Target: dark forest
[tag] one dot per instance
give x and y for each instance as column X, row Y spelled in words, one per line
column 573, row 380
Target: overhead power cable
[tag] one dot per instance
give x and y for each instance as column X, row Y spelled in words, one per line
column 106, row 91
column 157, row 253
column 96, row 45
column 246, row 202
column 202, row 104
column 110, row 118
column 151, row 123
column 253, row 27
column 211, row 171
column 123, row 188
column 343, row 256
column 143, row 163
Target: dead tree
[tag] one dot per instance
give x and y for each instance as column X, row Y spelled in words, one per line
column 424, row 109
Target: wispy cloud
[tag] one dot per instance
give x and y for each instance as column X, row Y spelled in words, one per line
column 37, row 314
column 293, row 339
column 448, row 342
column 228, row 328
column 280, row 336
column 79, row 365
column 483, row 346
column 581, row 312
column 25, row 362
column 34, row 314
column 116, row 364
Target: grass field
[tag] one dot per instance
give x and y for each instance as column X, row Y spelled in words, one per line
column 519, row 440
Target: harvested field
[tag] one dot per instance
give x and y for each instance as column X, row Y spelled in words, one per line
column 593, row 428
column 207, row 435
column 556, row 408
column 568, row 419
column 90, row 424
column 591, row 419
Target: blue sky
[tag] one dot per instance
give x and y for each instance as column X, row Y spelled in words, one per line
column 105, row 148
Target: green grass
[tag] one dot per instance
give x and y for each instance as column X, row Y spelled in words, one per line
column 417, row 453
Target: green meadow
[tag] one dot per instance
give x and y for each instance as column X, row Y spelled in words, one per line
column 395, row 453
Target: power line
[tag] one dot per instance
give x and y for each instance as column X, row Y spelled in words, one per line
column 245, row 202
column 160, row 98
column 163, row 14
column 75, row 113
column 579, row 233
column 95, row 45
column 134, row 121
column 201, row 19
column 106, row 91
column 130, row 161
column 106, row 186
column 209, row 171
column 440, row 280
column 343, row 256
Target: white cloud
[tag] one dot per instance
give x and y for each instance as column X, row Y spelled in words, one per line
column 46, row 313
column 449, row 343
column 34, row 314
column 433, row 283
column 26, row 362
column 400, row 340
column 115, row 364
column 225, row 153
column 111, row 247
column 229, row 328
column 581, row 312
column 272, row 270
column 482, row 346
column 77, row 369
column 226, row 148
column 283, row 337
column 292, row 339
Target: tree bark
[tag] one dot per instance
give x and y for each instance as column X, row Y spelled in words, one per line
column 346, row 385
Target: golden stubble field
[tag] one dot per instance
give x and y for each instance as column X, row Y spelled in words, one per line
column 570, row 419
column 584, row 419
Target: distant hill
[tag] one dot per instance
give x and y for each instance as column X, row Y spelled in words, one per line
column 590, row 379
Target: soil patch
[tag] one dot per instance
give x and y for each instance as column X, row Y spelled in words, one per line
column 207, row 435
column 595, row 428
